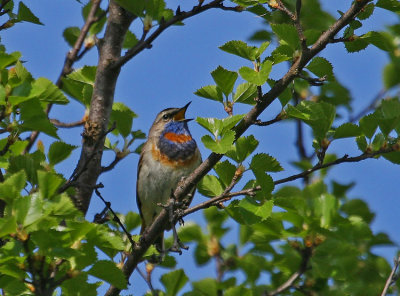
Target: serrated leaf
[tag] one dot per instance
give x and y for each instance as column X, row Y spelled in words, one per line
column 109, row 272
column 46, row 91
column 225, row 79
column 241, row 49
column 123, row 117
column 59, row 151
column 347, row 130
column 254, row 77
column 262, row 48
column 8, row 225
column 245, row 93
column 210, row 186
column 361, row 143
column 287, row 34
column 390, row 75
column 48, row 183
column 368, row 125
column 205, row 287
column 366, row 12
column 174, row 281
column 225, row 171
column 8, row 59
column 266, row 163
column 212, row 92
column 25, row 14
column 319, row 116
column 130, row 40
column 392, row 5
column 248, row 212
column 71, row 34
column 136, row 7
column 35, row 119
column 242, row 148
column 221, row 145
column 321, row 67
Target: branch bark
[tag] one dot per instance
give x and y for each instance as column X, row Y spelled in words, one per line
column 161, row 221
column 110, row 48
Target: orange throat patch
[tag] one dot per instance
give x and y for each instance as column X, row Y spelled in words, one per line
column 177, row 138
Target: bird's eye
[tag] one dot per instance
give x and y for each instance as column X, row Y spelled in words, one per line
column 166, row 116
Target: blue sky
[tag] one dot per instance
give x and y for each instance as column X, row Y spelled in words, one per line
column 180, row 62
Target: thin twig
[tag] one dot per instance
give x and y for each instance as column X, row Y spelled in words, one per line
column 58, row 123
column 147, row 279
column 392, row 277
column 314, row 81
column 179, row 16
column 116, row 219
column 305, row 258
column 70, row 58
column 277, row 118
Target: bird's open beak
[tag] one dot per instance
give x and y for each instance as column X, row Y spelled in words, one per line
column 180, row 114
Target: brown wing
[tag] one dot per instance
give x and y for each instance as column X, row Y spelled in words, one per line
column 138, row 202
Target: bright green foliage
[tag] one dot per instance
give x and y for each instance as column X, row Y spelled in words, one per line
column 319, row 116
column 267, row 229
column 254, row 76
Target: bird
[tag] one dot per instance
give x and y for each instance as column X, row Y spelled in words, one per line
column 168, row 156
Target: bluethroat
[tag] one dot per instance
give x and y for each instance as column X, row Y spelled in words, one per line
column 169, row 154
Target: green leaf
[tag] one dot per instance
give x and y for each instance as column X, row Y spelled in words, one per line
column 59, row 151
column 319, row 116
column 86, row 74
column 240, row 49
column 205, row 287
column 265, row 163
column 321, row 67
column 30, row 163
column 174, row 281
column 366, row 12
column 368, row 125
column 25, row 14
column 245, row 93
column 46, row 91
column 361, row 143
column 287, row 34
column 35, row 119
column 134, row 6
column 191, row 232
column 211, row 92
column 219, row 127
column 130, row 40
column 48, row 183
column 262, row 48
column 254, row 77
column 265, row 181
column 347, row 130
column 225, row 171
column 248, row 212
column 221, row 145
column 225, row 79
column 8, row 225
column 131, row 221
column 8, row 59
column 325, row 207
column 123, row 117
column 71, row 34
column 392, row 5
column 108, row 271
column 238, row 291
column 210, row 186
column 390, row 75
column 242, row 148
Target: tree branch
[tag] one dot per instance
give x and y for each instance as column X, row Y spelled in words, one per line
column 306, row 254
column 58, row 123
column 69, row 61
column 178, row 17
column 161, row 221
column 393, row 277
column 371, row 106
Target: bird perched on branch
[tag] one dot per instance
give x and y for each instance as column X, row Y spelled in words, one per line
column 169, row 154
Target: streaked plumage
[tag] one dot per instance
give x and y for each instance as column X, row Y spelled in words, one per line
column 169, row 154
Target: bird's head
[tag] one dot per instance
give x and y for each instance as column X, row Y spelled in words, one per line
column 171, row 119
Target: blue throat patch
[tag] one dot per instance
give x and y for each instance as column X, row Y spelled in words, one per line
column 177, row 150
